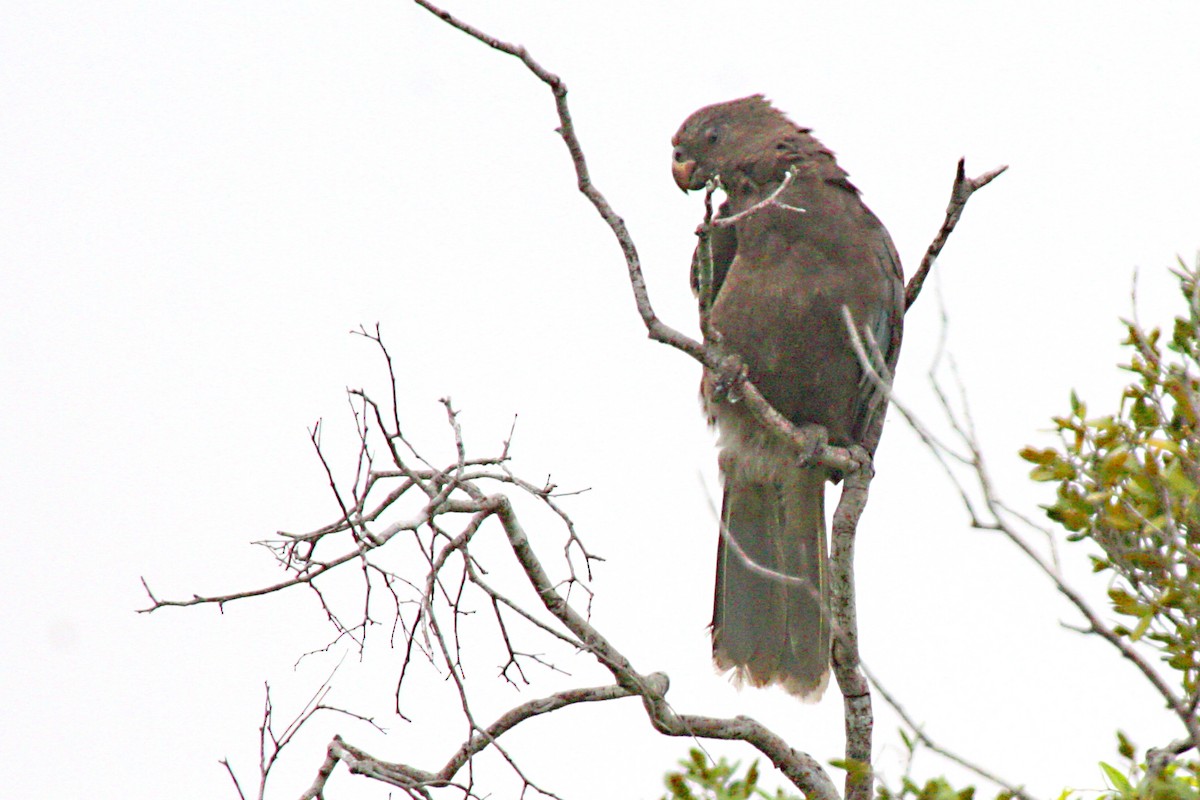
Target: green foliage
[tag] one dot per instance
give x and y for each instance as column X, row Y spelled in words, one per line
column 1169, row 780
column 1130, row 483
column 935, row 789
column 856, row 770
column 702, row 779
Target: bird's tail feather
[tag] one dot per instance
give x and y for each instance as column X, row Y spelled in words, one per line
column 771, row 630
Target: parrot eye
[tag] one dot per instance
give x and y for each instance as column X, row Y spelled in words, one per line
column 711, row 135
column 679, row 156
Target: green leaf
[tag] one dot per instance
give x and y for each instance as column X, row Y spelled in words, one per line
column 1124, row 746
column 857, row 770
column 1140, row 629
column 1078, row 407
column 1125, row 603
column 1143, row 414
column 1117, row 780
column 1182, row 661
column 1034, row 455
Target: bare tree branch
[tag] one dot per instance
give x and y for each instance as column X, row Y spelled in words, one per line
column 995, row 515
column 922, row 737
column 963, row 189
column 856, row 694
column 458, row 495
column 225, row 763
column 770, row 201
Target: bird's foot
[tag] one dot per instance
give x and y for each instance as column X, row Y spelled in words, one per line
column 727, row 379
column 811, row 442
column 860, row 456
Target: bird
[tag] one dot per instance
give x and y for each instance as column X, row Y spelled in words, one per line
column 799, row 244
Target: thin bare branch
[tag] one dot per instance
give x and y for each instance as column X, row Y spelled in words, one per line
column 770, row 201
column 959, row 195
column 856, row 693
column 224, row 762
column 919, row 731
column 1000, row 518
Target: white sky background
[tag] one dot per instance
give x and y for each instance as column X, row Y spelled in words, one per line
column 198, row 201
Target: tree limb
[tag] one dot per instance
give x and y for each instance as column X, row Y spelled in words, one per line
column 959, row 195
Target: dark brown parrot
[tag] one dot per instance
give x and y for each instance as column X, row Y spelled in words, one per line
column 780, row 277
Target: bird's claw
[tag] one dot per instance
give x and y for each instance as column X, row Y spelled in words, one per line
column 728, row 378
column 862, row 459
column 812, row 440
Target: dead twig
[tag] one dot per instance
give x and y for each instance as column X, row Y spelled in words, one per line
column 963, row 188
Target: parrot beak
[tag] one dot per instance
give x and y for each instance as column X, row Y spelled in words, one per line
column 682, row 171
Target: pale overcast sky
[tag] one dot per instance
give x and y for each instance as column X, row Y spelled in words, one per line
column 199, row 200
